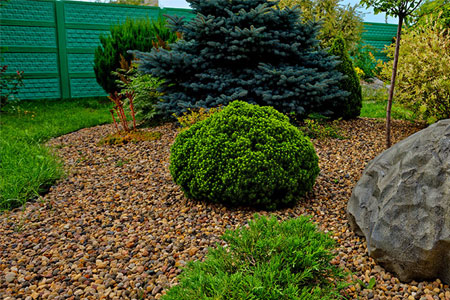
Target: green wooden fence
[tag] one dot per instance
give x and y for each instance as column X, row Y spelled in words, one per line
column 53, row 42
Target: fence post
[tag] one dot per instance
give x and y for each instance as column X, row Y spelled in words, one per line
column 62, row 50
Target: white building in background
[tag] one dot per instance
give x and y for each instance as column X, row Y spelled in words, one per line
column 173, row 3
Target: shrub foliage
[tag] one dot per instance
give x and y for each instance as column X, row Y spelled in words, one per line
column 244, row 155
column 246, row 49
column 140, row 34
column 439, row 10
column 269, row 260
column 192, row 116
column 337, row 19
column 351, row 107
column 9, row 84
column 143, row 88
column 423, row 79
column 365, row 61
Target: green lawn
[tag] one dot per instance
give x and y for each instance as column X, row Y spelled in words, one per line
column 26, row 166
column 377, row 109
column 375, row 102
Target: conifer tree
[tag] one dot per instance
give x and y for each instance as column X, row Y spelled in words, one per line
column 249, row 50
column 351, row 108
column 133, row 34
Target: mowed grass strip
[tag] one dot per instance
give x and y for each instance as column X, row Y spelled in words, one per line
column 377, row 109
column 375, row 102
column 27, row 167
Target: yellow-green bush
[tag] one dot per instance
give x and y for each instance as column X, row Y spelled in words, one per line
column 423, row 79
column 193, row 115
column 337, row 19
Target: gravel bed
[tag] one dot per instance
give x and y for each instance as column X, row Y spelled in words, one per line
column 117, row 227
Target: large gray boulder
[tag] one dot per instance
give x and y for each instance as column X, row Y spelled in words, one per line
column 401, row 205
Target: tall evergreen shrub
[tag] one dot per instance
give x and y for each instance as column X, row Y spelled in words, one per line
column 351, row 106
column 246, row 49
column 140, row 34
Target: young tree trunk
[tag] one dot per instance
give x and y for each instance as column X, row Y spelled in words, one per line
column 391, row 88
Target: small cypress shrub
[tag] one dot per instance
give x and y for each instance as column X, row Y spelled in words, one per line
column 244, row 155
column 350, row 107
column 269, row 260
column 140, row 34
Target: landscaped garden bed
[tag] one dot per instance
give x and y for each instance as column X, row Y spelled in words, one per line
column 227, row 198
column 117, row 226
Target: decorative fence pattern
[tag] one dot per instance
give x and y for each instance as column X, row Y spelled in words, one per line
column 53, row 42
column 379, row 35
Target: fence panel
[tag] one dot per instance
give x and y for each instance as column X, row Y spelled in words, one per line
column 378, row 36
column 54, row 41
column 29, row 42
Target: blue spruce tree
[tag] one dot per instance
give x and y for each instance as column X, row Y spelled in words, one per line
column 248, row 50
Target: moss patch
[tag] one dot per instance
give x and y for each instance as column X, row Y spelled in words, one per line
column 121, row 138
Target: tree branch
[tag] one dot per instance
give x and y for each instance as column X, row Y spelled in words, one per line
column 415, row 7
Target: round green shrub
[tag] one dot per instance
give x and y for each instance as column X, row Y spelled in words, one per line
column 244, row 155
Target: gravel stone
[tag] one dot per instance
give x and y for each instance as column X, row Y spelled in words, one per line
column 119, row 207
column 9, row 277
